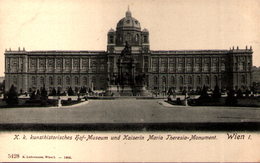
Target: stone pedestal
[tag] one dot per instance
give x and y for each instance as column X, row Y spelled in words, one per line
column 59, row 102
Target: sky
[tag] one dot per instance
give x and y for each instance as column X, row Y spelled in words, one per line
column 172, row 24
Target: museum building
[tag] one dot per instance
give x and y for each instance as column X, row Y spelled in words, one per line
column 128, row 63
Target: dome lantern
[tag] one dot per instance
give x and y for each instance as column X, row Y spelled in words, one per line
column 128, row 13
column 128, row 22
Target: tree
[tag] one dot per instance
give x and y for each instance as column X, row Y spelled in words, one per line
column 59, row 92
column 204, row 93
column 83, row 89
column 70, row 91
column 44, row 93
column 171, row 91
column 53, row 92
column 247, row 92
column 231, row 99
column 33, row 95
column 12, row 96
column 44, row 96
column 2, row 87
column 76, row 90
column 239, row 93
column 216, row 92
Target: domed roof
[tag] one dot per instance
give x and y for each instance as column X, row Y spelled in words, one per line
column 145, row 30
column 128, row 22
column 111, row 30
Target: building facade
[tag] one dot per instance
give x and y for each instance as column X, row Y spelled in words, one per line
column 128, row 62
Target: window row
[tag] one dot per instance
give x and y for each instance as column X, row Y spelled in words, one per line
column 181, row 81
column 59, row 80
column 189, row 67
column 68, row 63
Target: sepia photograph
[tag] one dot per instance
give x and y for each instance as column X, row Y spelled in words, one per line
column 114, row 65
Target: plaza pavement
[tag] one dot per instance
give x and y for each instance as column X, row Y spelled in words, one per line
column 127, row 111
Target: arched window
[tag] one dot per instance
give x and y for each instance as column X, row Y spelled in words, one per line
column 15, row 80
column 207, row 80
column 173, row 80
column 51, row 80
column 216, row 80
column 59, row 81
column 42, row 80
column 198, row 80
column 128, row 38
column 164, row 80
column 85, row 81
column 111, row 39
column 190, row 80
column 243, row 79
column 137, row 38
column 155, row 79
column 68, row 80
column 34, row 80
column 76, row 80
column 94, row 79
column 145, row 39
column 181, row 80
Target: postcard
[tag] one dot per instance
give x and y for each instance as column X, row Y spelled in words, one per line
column 129, row 81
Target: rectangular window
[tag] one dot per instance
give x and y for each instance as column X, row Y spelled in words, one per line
column 84, row 64
column 67, row 64
column 163, row 67
column 189, row 67
column 59, row 63
column 94, row 65
column 33, row 63
column 76, row 64
column 42, row 64
column 154, row 64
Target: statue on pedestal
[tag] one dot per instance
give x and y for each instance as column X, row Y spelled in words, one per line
column 126, row 50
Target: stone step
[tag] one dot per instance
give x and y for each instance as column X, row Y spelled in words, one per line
column 128, row 91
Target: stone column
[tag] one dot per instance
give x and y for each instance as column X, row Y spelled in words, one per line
column 71, row 64
column 184, row 64
column 46, row 64
column 158, row 71
column 54, row 63
column 89, row 64
column 150, row 64
column 168, row 65
column 210, row 73
column 63, row 64
column 80, row 64
column 38, row 66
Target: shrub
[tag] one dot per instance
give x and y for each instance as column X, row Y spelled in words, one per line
column 53, row 92
column 70, row 91
column 44, row 96
column 239, row 94
column 12, row 96
column 204, row 93
column 216, row 92
column 231, row 100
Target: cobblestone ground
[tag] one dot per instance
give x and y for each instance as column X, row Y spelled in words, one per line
column 128, row 111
